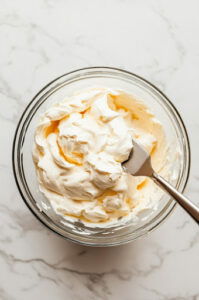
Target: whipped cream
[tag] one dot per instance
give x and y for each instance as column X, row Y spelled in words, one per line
column 79, row 146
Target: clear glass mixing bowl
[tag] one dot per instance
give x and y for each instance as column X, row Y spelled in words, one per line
column 24, row 169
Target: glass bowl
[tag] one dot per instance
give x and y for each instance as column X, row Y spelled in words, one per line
column 24, row 169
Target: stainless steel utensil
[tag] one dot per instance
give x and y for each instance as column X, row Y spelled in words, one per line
column 139, row 164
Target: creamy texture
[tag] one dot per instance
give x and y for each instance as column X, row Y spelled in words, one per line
column 79, row 146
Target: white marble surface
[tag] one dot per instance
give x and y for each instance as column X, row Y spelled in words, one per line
column 41, row 39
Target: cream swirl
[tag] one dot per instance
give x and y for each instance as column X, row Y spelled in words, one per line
column 80, row 144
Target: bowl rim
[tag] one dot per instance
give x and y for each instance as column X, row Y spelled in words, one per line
column 169, row 103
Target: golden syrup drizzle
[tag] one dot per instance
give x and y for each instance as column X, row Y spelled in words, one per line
column 78, row 154
column 53, row 128
column 68, row 158
column 108, row 192
column 142, row 184
column 129, row 202
column 84, row 112
column 134, row 116
column 154, row 148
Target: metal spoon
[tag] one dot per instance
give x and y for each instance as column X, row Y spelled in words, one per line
column 139, row 164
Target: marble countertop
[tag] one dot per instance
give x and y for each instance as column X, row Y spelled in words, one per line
column 42, row 39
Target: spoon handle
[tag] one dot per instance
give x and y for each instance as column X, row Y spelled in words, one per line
column 191, row 208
